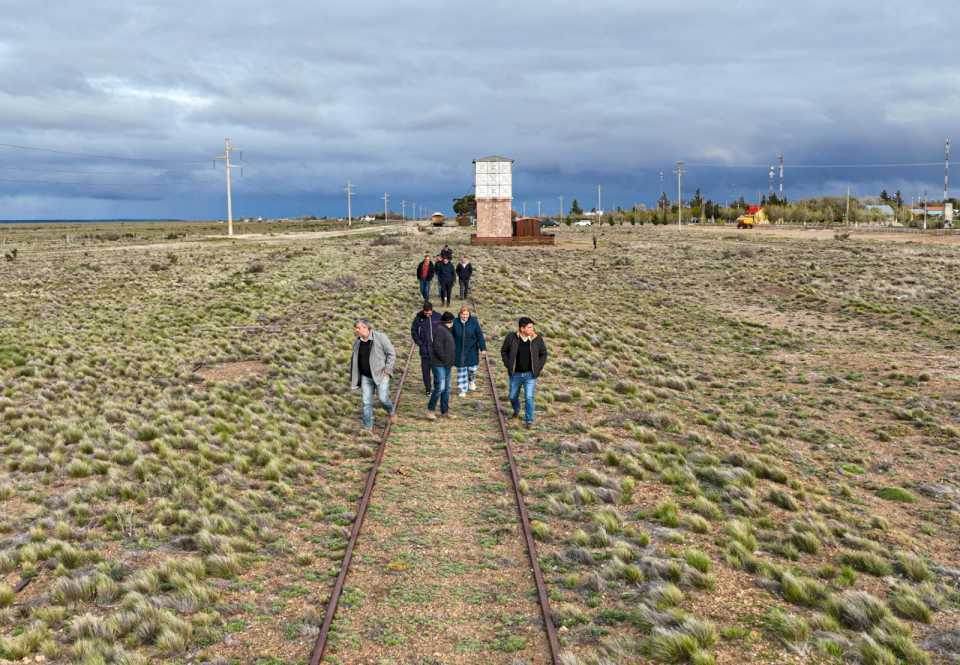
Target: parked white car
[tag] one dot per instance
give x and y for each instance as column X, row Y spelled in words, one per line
column 583, row 222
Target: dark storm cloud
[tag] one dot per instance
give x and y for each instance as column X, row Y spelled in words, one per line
column 401, row 96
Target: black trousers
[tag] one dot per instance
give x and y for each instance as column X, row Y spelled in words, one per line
column 445, row 290
column 425, row 369
column 464, row 288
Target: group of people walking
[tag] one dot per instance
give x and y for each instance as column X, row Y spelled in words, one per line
column 446, row 274
column 445, row 341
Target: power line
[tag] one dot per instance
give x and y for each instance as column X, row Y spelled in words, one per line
column 97, row 156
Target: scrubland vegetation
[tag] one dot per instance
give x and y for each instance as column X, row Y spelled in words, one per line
column 747, row 449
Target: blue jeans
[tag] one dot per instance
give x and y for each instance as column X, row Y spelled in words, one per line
column 367, row 388
column 425, row 288
column 529, row 383
column 441, row 389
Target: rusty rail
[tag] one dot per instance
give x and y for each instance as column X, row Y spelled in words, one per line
column 525, row 524
column 544, row 600
column 334, row 600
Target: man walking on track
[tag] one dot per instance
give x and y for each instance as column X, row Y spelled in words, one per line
column 464, row 273
column 469, row 345
column 524, row 354
column 422, row 333
column 445, row 276
column 370, row 369
column 442, row 353
column 425, row 272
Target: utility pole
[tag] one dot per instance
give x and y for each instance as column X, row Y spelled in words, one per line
column 524, row 208
column 781, row 178
column 403, row 211
column 848, row 205
column 924, row 210
column 599, row 203
column 350, row 193
column 386, row 199
column 946, row 176
column 227, row 149
column 539, row 211
column 679, row 171
column 662, row 192
column 770, row 183
column 561, row 210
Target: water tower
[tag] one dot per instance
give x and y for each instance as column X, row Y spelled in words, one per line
column 494, row 191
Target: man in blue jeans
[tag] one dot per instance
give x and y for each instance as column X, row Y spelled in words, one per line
column 425, row 272
column 524, row 354
column 442, row 355
column 371, row 365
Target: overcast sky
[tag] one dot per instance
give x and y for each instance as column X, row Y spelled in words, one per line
column 401, row 97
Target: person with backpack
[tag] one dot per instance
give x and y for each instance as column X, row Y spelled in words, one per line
column 445, row 277
column 464, row 273
column 442, row 355
column 524, row 354
column 422, row 333
column 469, row 345
column 425, row 272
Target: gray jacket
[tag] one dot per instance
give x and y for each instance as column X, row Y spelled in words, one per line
column 382, row 359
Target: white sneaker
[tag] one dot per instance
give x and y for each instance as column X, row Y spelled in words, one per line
column 463, row 394
column 473, row 385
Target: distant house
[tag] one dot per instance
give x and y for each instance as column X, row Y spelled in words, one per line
column 437, row 217
column 368, row 218
column 594, row 213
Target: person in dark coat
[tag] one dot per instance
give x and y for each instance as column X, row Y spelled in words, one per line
column 446, row 253
column 445, row 277
column 464, row 273
column 425, row 272
column 524, row 354
column 469, row 345
column 422, row 333
column 442, row 354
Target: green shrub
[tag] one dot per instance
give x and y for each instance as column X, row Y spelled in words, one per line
column 867, row 562
column 789, row 628
column 697, row 559
column 896, row 494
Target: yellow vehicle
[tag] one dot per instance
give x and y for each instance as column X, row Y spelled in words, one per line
column 754, row 215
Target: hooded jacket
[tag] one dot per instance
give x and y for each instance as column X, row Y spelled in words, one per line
column 442, row 351
column 468, row 338
column 444, row 272
column 422, row 331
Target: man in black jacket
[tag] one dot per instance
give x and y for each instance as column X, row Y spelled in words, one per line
column 524, row 354
column 442, row 355
column 446, row 253
column 464, row 273
column 425, row 270
column 445, row 276
column 422, row 333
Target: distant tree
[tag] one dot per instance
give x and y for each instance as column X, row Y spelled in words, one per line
column 884, row 197
column 466, row 205
column 575, row 208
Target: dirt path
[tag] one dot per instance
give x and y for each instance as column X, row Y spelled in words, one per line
column 260, row 238
column 441, row 574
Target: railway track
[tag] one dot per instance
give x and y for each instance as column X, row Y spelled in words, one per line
column 330, row 611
